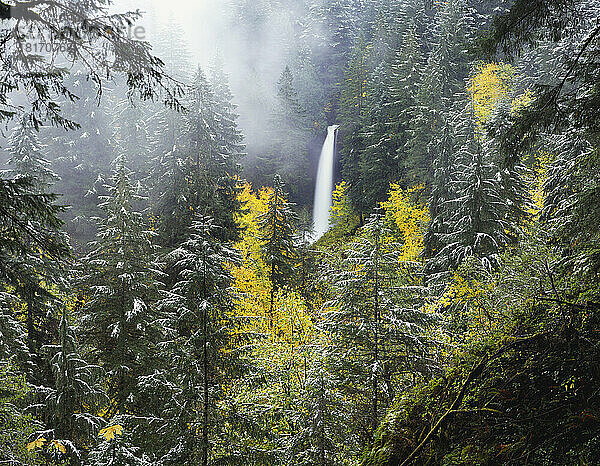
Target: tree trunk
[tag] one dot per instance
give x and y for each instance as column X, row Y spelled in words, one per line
column 376, row 337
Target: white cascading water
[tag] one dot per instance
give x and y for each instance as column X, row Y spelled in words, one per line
column 324, row 186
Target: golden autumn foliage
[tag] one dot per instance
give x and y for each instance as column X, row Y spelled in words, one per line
column 538, row 180
column 109, row 433
column 342, row 215
column 290, row 319
column 56, row 445
column 38, row 443
column 490, row 83
column 409, row 218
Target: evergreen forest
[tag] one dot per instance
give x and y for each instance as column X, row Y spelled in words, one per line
column 165, row 298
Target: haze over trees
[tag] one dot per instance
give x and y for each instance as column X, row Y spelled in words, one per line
column 164, row 302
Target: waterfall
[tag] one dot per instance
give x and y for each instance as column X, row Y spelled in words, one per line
column 324, row 186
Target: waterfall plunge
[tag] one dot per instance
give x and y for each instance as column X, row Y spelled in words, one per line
column 324, row 187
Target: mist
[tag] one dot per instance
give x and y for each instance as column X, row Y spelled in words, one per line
column 253, row 58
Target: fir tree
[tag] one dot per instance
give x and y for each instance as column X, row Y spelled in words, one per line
column 231, row 149
column 441, row 198
column 278, row 235
column 13, row 337
column 71, row 404
column 199, row 174
column 289, row 135
column 33, row 252
column 443, row 77
column 373, row 325
column 28, row 157
column 392, row 90
column 199, row 308
column 565, row 105
column 477, row 220
column 354, row 107
column 318, row 415
column 81, row 176
column 120, row 280
column 131, row 132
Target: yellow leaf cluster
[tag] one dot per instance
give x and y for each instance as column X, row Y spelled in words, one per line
column 56, row 445
column 289, row 318
column 38, row 443
column 110, row 432
column 409, row 218
column 539, row 176
column 489, row 84
column 341, row 210
column 521, row 102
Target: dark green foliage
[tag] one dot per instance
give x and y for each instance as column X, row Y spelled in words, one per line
column 70, row 406
column 198, row 324
column 17, row 428
column 13, row 337
column 518, row 397
column 374, row 327
column 353, row 108
column 524, row 22
column 440, row 198
column 278, row 236
column 567, row 92
column 319, row 419
column 477, row 225
column 32, row 255
column 29, row 225
column 198, row 174
column 120, row 282
column 515, row 407
column 80, row 33
column 392, row 89
column 565, row 105
column 442, row 78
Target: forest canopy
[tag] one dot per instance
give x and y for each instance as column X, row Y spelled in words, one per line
column 165, row 299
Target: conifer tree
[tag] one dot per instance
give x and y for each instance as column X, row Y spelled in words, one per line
column 443, row 77
column 565, row 105
column 71, row 404
column 392, row 89
column 33, row 272
column 199, row 310
column 17, row 425
column 336, row 30
column 318, row 414
column 353, row 108
column 288, row 131
column 120, row 280
column 131, row 132
column 199, row 173
column 440, row 201
column 80, row 176
column 13, row 337
column 116, row 448
column 373, row 325
column 28, row 157
column 278, row 236
column 231, row 149
column 477, row 220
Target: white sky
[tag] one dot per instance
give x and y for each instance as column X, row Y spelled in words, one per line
column 198, row 19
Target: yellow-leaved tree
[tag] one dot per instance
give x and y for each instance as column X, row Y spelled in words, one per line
column 408, row 216
column 280, row 337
